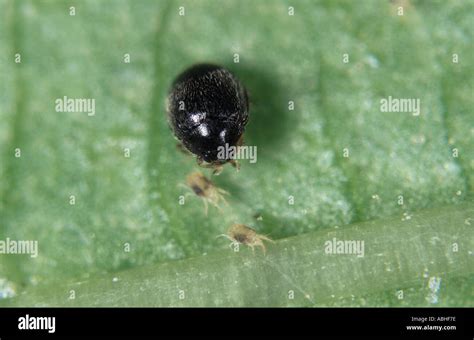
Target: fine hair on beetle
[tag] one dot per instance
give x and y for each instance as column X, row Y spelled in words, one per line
column 207, row 109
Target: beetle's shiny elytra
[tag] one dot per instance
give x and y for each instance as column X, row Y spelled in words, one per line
column 207, row 109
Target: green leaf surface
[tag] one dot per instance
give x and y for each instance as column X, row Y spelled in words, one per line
column 121, row 201
column 296, row 271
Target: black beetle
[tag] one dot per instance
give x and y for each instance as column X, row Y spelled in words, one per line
column 208, row 108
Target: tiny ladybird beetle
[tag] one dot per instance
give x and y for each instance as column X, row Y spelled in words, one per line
column 207, row 108
column 206, row 190
column 242, row 234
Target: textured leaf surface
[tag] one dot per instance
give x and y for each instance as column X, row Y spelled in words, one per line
column 283, row 58
column 296, row 271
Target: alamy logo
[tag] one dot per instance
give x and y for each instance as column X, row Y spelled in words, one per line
column 9, row 246
column 347, row 247
column 37, row 322
column 66, row 104
column 410, row 105
column 237, row 152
